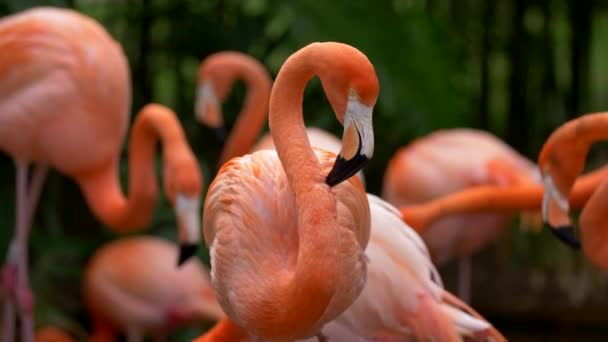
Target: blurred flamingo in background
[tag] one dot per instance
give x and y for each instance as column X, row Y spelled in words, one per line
column 217, row 74
column 65, row 98
column 286, row 238
column 447, row 161
column 561, row 160
column 131, row 285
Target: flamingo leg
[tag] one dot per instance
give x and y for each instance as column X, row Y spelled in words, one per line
column 25, row 297
column 15, row 273
column 8, row 324
column 465, row 268
column 34, row 191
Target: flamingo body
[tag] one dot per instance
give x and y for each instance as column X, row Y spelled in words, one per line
column 65, row 90
column 132, row 284
column 444, row 162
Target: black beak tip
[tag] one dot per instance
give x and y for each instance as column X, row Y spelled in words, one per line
column 344, row 169
column 566, row 235
column 220, row 133
column 185, row 252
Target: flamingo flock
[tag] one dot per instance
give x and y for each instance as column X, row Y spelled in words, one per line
column 299, row 251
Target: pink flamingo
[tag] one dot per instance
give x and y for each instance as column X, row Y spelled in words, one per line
column 286, row 232
column 448, row 161
column 66, row 97
column 132, row 285
column 561, row 160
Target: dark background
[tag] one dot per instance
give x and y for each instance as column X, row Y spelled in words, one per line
column 516, row 68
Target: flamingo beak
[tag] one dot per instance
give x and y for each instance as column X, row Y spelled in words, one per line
column 357, row 143
column 188, row 220
column 207, row 111
column 555, row 209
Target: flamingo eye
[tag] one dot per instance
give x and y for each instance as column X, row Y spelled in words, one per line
column 352, row 93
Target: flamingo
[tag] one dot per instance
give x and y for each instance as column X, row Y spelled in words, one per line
column 65, row 98
column 447, row 161
column 217, row 74
column 561, row 160
column 286, row 237
column 131, row 285
column 403, row 298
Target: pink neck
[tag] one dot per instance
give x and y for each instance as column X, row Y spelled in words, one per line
column 102, row 187
column 250, row 120
column 316, row 205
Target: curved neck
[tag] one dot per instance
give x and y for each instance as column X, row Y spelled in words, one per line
column 102, row 188
column 565, row 151
column 491, row 198
column 250, row 120
column 316, row 205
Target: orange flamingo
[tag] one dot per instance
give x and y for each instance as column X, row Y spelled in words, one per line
column 286, row 238
column 132, row 285
column 447, row 161
column 561, row 160
column 217, row 74
column 66, row 97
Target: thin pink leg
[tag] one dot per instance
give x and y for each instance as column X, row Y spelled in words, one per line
column 34, row 191
column 27, row 199
column 25, row 297
column 465, row 266
column 8, row 324
column 10, row 272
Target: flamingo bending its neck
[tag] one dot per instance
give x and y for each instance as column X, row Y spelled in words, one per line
column 447, row 161
column 217, row 74
column 286, row 232
column 132, row 285
column 561, row 160
column 65, row 102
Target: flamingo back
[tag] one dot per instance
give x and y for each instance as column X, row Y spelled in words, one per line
column 64, row 90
